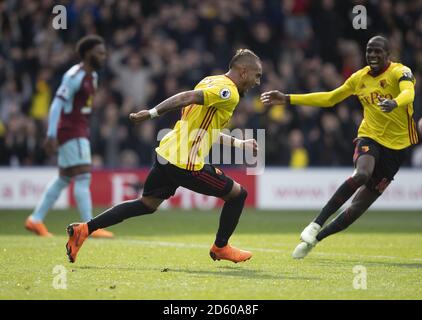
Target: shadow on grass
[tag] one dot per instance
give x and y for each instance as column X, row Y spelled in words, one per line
column 105, row 268
column 415, row 265
column 365, row 263
column 221, row 271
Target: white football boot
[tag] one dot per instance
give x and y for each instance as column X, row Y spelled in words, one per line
column 309, row 234
column 302, row 250
column 308, row 238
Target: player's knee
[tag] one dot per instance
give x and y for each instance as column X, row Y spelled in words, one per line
column 361, row 177
column 147, row 206
column 82, row 183
column 241, row 196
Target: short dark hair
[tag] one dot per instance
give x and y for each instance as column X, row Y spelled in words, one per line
column 383, row 40
column 243, row 55
column 87, row 43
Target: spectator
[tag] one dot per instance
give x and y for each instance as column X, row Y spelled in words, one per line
column 299, row 157
column 160, row 48
column 133, row 77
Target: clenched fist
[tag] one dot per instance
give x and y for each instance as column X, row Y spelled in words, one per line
column 138, row 117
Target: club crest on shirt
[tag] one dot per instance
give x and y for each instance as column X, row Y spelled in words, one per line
column 225, row 93
column 383, row 83
column 365, row 148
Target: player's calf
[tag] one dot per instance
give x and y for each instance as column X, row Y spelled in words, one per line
column 229, row 217
column 118, row 213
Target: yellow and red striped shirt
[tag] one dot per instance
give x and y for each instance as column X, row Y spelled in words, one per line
column 190, row 141
column 396, row 129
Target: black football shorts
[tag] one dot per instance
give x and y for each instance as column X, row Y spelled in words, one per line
column 164, row 178
column 387, row 162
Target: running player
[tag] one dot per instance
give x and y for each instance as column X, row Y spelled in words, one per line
column 386, row 91
column 68, row 129
column 181, row 153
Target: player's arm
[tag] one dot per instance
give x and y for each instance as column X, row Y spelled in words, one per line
column 406, row 82
column 316, row 99
column 175, row 102
column 238, row 143
column 64, row 95
column 406, row 96
column 407, row 93
column 53, row 121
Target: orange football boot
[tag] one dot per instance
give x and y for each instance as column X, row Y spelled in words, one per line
column 101, row 233
column 38, row 228
column 78, row 232
column 229, row 253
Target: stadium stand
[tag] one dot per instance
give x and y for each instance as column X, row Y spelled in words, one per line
column 158, row 48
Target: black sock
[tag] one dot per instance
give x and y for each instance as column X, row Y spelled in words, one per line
column 229, row 218
column 341, row 222
column 343, row 193
column 118, row 213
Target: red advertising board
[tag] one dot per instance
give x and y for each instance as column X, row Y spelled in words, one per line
column 109, row 187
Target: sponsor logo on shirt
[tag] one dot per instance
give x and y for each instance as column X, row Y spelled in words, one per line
column 383, row 83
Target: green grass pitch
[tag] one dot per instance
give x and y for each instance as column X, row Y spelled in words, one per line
column 165, row 256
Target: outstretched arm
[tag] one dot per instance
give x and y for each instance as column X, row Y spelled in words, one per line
column 317, row 99
column 175, row 102
column 234, row 142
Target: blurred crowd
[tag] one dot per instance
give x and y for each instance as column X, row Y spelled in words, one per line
column 159, row 48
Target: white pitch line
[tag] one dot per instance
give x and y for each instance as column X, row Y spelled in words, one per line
column 201, row 246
